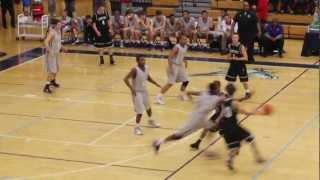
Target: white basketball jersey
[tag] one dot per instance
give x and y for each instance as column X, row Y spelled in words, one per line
column 206, row 103
column 178, row 60
column 139, row 83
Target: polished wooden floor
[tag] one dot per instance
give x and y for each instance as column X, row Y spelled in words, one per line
column 85, row 129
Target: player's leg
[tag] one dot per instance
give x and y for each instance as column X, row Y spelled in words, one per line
column 196, row 144
column 101, row 58
column 147, row 105
column 108, row 50
column 249, row 138
column 233, row 152
column 139, row 108
column 244, row 79
column 172, row 79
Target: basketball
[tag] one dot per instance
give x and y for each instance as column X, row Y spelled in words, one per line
column 267, row 109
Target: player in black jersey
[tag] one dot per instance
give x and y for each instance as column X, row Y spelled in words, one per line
column 238, row 58
column 103, row 31
column 232, row 132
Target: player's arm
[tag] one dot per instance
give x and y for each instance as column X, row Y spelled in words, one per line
column 94, row 26
column 130, row 75
column 244, row 54
column 48, row 40
column 172, row 55
column 246, row 112
column 150, row 79
column 193, row 93
column 110, row 26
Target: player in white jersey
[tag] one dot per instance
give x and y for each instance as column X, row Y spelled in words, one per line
column 206, row 103
column 158, row 29
column 139, row 75
column 53, row 46
column 177, row 70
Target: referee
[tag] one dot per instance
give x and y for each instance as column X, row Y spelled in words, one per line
column 248, row 29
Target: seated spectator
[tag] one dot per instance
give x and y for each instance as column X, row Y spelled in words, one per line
column 129, row 27
column 88, row 30
column 174, row 28
column 205, row 25
column 158, row 27
column 75, row 28
column 117, row 22
column 143, row 26
column 189, row 25
column 273, row 38
column 26, row 18
column 65, row 22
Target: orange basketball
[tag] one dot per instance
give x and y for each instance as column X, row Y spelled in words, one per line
column 267, row 109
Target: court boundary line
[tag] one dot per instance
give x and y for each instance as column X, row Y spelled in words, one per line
column 297, row 134
column 243, row 119
column 102, row 166
column 142, row 168
column 199, row 59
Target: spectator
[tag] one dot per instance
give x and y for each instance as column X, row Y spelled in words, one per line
column 189, row 25
column 88, row 30
column 174, row 28
column 158, row 27
column 65, row 22
column 7, row 5
column 263, row 10
column 205, row 25
column 248, row 29
column 273, row 38
column 117, row 22
column 125, row 5
column 52, row 7
column 26, row 5
column 75, row 28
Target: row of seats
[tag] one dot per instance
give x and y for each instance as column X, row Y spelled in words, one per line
column 290, row 31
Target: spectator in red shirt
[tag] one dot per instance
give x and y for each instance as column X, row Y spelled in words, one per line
column 263, row 10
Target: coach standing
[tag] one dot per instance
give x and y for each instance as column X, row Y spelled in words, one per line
column 248, row 29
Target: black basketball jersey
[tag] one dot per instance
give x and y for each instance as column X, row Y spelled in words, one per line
column 101, row 21
column 235, row 50
column 229, row 122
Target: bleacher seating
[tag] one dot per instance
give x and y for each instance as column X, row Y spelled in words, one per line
column 151, row 11
column 295, row 26
column 165, row 3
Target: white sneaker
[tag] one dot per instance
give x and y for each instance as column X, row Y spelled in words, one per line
column 184, row 97
column 138, row 131
column 153, row 123
column 159, row 100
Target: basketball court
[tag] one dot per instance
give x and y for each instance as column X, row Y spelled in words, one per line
column 84, row 130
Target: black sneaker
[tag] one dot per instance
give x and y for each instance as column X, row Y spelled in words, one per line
column 230, row 165
column 46, row 89
column 156, row 146
column 248, row 95
column 195, row 145
column 53, row 83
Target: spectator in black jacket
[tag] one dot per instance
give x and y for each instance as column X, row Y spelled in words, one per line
column 7, row 5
